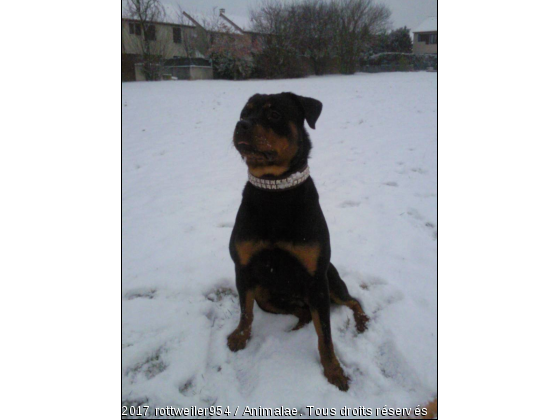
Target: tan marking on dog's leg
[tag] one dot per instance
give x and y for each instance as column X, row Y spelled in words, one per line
column 237, row 340
column 331, row 366
column 246, row 250
column 307, row 255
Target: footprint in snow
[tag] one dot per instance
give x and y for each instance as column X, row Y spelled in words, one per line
column 150, row 367
column 349, row 203
column 187, row 388
column 225, row 305
column 140, row 293
column 220, row 293
column 425, row 195
column 380, row 293
column 391, row 184
column 394, row 366
column 426, row 224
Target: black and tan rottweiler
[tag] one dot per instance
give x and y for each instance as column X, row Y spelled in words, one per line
column 280, row 242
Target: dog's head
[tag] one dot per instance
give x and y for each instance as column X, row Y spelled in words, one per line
column 270, row 135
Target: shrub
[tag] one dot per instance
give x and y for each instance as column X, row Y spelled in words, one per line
column 232, row 57
column 398, row 62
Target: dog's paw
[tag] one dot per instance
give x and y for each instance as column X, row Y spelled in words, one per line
column 237, row 340
column 361, row 322
column 337, row 377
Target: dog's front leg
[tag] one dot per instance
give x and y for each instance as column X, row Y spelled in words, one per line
column 237, row 340
column 319, row 303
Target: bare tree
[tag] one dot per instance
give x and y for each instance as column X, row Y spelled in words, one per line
column 153, row 48
column 318, row 30
column 314, row 33
column 276, row 22
column 357, row 23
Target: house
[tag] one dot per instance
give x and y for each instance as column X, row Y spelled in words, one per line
column 425, row 37
column 162, row 41
column 231, row 46
column 223, row 25
column 177, row 49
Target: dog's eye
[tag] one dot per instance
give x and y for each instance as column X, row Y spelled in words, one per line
column 274, row 115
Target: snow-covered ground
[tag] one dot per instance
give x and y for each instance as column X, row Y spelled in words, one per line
column 374, row 163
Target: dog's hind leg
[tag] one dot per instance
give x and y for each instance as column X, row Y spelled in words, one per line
column 339, row 294
column 304, row 318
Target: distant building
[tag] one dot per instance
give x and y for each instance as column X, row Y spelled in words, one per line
column 425, row 37
column 167, row 41
column 180, row 47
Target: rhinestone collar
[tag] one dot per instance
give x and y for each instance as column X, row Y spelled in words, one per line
column 280, row 184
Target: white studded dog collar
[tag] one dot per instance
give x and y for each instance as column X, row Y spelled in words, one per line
column 280, row 184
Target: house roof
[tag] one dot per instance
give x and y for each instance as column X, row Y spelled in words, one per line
column 214, row 22
column 244, row 22
column 126, row 19
column 428, row 25
column 210, row 21
column 231, row 23
column 197, row 20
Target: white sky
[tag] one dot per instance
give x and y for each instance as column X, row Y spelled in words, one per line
column 405, row 12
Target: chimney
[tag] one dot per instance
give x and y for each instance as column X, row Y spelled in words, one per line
column 222, row 11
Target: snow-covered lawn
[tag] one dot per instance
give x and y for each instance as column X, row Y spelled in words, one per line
column 374, row 163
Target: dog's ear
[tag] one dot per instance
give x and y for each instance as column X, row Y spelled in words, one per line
column 311, row 108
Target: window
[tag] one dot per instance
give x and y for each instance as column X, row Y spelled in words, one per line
column 177, row 39
column 428, row 38
column 150, row 34
column 135, row 28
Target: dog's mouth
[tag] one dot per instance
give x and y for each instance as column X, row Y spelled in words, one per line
column 252, row 155
column 258, row 157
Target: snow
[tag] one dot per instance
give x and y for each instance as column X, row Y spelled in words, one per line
column 428, row 25
column 374, row 163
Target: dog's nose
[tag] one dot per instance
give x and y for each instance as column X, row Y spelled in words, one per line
column 243, row 125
